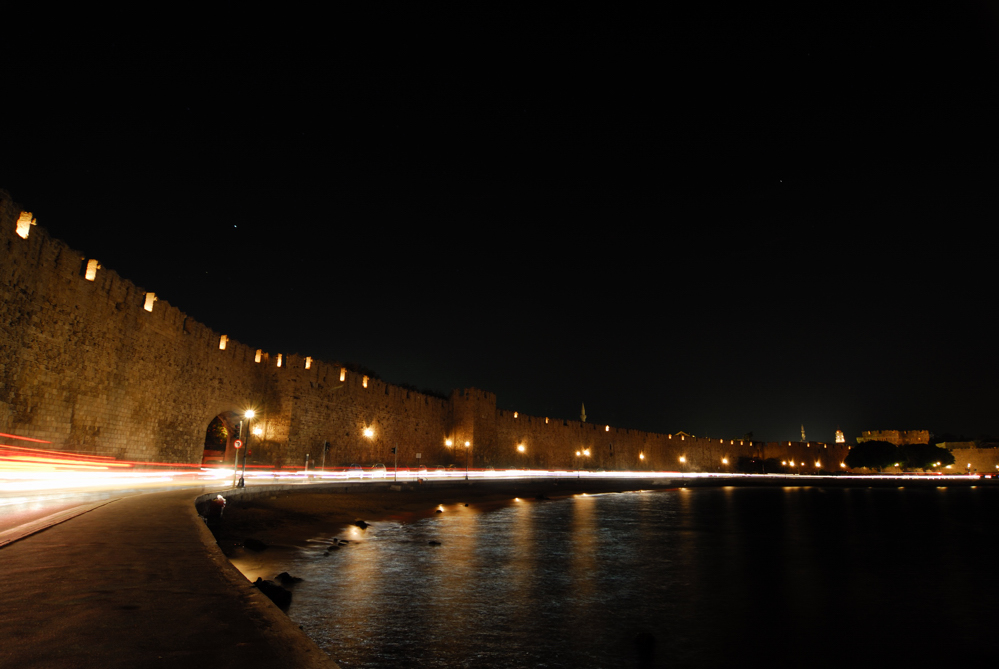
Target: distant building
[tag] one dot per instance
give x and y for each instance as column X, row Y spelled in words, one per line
column 840, row 439
column 897, row 437
column 951, row 445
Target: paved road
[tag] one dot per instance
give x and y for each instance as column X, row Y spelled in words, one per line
column 138, row 582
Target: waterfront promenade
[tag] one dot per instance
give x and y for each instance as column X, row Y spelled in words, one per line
column 139, row 582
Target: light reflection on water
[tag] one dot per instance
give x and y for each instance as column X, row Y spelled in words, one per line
column 715, row 574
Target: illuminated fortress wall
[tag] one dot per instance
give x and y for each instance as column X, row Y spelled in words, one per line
column 85, row 366
column 897, row 437
column 90, row 362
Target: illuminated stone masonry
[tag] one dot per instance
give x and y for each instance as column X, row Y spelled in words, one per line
column 90, row 362
column 897, row 437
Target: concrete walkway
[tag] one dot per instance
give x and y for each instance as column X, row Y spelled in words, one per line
column 139, row 582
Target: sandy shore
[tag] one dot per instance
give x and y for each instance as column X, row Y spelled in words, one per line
column 294, row 519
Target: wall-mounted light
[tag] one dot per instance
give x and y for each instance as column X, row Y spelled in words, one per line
column 24, row 223
column 92, row 267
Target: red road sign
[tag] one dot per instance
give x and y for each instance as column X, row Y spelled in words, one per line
column 238, row 443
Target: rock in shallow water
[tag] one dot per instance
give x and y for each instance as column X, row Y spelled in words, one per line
column 288, row 579
column 274, row 592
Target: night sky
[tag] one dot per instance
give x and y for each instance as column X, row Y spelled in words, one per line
column 710, row 222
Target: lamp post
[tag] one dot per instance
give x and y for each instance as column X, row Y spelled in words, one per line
column 235, row 459
column 250, row 413
column 369, row 434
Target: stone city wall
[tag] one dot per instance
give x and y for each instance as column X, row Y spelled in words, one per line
column 975, row 460
column 91, row 363
column 897, row 437
column 85, row 366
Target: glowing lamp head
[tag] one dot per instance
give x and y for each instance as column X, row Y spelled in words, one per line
column 467, row 444
column 641, row 456
column 258, row 431
column 448, row 443
column 683, row 459
column 250, row 413
column 520, row 447
column 369, row 432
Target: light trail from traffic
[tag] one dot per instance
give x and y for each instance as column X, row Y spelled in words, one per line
column 26, row 469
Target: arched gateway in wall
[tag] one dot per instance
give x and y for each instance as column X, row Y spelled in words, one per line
column 220, row 436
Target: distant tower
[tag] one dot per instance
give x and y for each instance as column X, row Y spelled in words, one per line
column 840, row 439
column 803, row 437
column 582, row 414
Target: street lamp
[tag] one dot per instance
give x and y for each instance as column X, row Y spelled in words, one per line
column 468, row 450
column 249, row 415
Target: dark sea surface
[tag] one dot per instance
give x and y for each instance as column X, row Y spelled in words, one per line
column 718, row 576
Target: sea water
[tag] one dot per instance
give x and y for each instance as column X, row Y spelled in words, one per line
column 676, row 578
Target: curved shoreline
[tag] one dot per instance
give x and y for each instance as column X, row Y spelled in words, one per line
column 289, row 518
